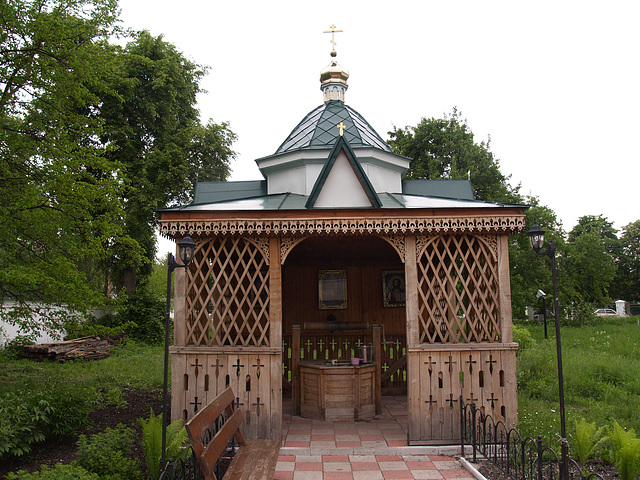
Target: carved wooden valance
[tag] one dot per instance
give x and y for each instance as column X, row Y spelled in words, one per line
column 344, row 226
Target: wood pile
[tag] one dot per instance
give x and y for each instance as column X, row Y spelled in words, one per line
column 84, row 348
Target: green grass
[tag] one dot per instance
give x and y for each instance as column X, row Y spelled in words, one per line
column 601, row 365
column 132, row 365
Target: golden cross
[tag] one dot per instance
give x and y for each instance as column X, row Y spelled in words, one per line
column 341, row 126
column 333, row 31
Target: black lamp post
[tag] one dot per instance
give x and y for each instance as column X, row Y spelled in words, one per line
column 543, row 295
column 536, row 239
column 186, row 247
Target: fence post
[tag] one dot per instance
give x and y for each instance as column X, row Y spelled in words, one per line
column 564, row 458
column 539, row 461
column 463, row 427
column 473, row 431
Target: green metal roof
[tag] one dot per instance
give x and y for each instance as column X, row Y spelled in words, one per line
column 318, row 129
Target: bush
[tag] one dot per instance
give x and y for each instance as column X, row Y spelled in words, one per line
column 106, row 454
column 522, row 336
column 581, row 315
column 59, row 472
column 146, row 314
column 23, row 422
column 27, row 417
column 140, row 317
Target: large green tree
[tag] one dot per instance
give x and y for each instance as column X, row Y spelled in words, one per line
column 152, row 123
column 59, row 191
column 531, row 272
column 626, row 284
column 445, row 148
column 590, row 260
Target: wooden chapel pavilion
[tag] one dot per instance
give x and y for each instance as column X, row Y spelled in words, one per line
column 334, row 236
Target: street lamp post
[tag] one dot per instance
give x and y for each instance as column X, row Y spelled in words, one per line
column 543, row 295
column 186, row 248
column 536, row 239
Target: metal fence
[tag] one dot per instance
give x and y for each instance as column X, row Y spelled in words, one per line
column 188, row 467
column 519, row 458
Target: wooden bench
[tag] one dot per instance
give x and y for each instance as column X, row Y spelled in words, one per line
column 254, row 459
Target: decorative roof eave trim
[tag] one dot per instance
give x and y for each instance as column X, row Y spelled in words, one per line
column 500, row 224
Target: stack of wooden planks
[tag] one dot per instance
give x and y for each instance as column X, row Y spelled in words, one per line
column 84, row 348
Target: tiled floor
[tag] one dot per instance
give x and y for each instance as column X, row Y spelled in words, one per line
column 376, row 449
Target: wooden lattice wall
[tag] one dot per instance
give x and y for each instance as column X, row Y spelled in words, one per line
column 461, row 342
column 231, row 318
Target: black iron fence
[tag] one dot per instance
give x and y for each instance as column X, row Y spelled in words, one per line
column 188, row 467
column 519, row 458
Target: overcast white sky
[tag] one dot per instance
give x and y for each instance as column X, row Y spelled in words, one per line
column 555, row 84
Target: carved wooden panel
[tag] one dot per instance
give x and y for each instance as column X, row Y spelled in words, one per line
column 343, row 345
column 458, row 294
column 486, row 377
column 197, row 378
column 228, row 294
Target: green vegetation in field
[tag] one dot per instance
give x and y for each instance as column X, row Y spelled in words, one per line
column 41, row 399
column 601, row 365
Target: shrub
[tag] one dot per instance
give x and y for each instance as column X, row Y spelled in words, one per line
column 23, row 422
column 522, row 336
column 106, row 454
column 152, row 442
column 581, row 314
column 59, row 472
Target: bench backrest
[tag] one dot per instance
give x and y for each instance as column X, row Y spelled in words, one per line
column 209, row 454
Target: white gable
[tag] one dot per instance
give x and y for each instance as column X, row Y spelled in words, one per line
column 342, row 188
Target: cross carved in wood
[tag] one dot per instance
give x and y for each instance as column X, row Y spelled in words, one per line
column 493, row 399
column 237, row 366
column 218, row 365
column 491, row 361
column 257, row 405
column 431, row 401
column 450, row 362
column 472, row 400
column 451, row 400
column 195, row 404
column 470, row 362
column 258, row 365
column 197, row 366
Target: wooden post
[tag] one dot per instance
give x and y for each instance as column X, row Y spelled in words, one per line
column 377, row 361
column 295, row 370
column 506, row 322
column 275, row 336
column 413, row 338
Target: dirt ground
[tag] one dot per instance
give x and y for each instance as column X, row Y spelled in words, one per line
column 63, row 450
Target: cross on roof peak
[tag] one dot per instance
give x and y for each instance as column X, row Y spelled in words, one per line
column 333, row 31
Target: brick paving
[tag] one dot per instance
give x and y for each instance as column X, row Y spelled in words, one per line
column 368, row 450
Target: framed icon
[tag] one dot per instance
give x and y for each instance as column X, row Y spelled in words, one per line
column 332, row 289
column 393, row 288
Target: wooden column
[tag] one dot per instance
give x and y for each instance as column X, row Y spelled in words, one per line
column 377, row 361
column 413, row 338
column 506, row 320
column 179, row 305
column 295, row 370
column 275, row 336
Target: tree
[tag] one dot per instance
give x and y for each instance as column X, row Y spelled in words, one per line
column 590, row 261
column 528, row 273
column 627, row 280
column 59, row 191
column 445, row 149
column 151, row 120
